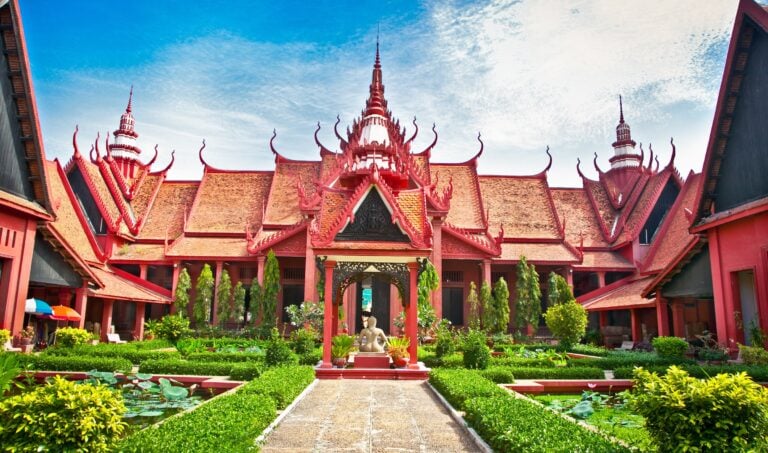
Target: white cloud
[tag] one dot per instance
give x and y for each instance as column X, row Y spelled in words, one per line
column 526, row 74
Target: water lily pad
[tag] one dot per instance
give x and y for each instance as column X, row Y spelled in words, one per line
column 147, row 385
column 150, row 413
column 175, row 393
column 582, row 410
column 164, row 382
column 143, row 376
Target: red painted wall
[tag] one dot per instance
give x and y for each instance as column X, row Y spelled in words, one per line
column 17, row 239
column 738, row 246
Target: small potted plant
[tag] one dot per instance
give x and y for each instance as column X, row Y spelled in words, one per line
column 26, row 337
column 398, row 350
column 341, row 346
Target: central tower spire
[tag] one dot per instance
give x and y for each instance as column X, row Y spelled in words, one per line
column 375, row 118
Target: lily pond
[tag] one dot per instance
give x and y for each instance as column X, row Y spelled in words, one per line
column 148, row 402
column 608, row 412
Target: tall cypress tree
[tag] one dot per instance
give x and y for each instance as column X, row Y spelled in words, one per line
column 238, row 302
column 474, row 306
column 528, row 301
column 486, row 304
column 224, row 298
column 204, row 297
column 270, row 289
column 501, row 306
column 181, row 296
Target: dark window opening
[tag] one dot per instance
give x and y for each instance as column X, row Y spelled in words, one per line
column 293, row 273
column 292, row 295
column 161, row 276
column 495, row 276
column 611, row 277
column 132, row 269
column 453, row 305
column 584, row 282
column 453, row 276
column 87, row 202
column 664, row 203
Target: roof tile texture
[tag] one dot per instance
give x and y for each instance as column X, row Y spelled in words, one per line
column 578, row 218
column 466, row 207
column 539, row 253
column 283, row 206
column 116, row 287
column 627, row 295
column 521, row 205
column 227, row 201
column 168, row 210
column 209, row 246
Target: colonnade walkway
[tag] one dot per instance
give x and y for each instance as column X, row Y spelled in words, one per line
column 369, row 416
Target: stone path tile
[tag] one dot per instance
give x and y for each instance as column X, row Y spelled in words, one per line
column 369, row 416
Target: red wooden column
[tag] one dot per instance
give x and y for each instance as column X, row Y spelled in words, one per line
column 260, row 260
column 569, row 276
column 335, row 315
column 487, row 272
column 215, row 305
column 725, row 323
column 310, row 291
column 437, row 261
column 678, row 321
column 602, row 319
column 328, row 314
column 662, row 315
column 81, row 303
column 411, row 318
column 106, row 318
column 20, row 269
column 601, row 279
column 138, row 322
column 637, row 333
column 176, row 272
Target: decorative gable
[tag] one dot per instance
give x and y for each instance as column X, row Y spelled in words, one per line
column 372, row 222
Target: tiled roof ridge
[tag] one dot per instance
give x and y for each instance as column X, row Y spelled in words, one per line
column 150, row 204
column 117, row 196
column 78, row 160
column 255, row 247
column 489, row 245
column 649, row 207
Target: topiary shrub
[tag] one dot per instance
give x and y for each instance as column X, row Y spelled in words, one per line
column 278, row 351
column 445, row 343
column 752, row 355
column 246, row 371
column 62, row 416
column 173, row 328
column 476, row 352
column 69, row 337
column 682, row 413
column 567, row 321
column 670, row 347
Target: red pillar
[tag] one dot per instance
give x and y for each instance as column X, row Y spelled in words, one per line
column 487, row 272
column 569, row 276
column 215, row 306
column 260, row 260
column 176, row 272
column 81, row 303
column 437, row 261
column 18, row 284
column 65, row 297
column 411, row 318
column 678, row 321
column 637, row 333
column 106, row 318
column 143, row 271
column 662, row 315
column 328, row 314
column 138, row 322
column 310, row 291
column 335, row 315
column 601, row 279
column 723, row 316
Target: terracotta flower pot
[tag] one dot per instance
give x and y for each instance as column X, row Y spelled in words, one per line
column 400, row 362
column 339, row 362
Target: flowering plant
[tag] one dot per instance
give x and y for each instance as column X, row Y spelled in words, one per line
column 27, row 332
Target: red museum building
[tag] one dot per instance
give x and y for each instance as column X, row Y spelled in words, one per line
column 368, row 211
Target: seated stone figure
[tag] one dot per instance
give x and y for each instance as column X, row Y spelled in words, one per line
column 372, row 335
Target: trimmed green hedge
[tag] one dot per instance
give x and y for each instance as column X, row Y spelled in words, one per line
column 457, row 386
column 628, row 359
column 448, row 361
column 497, row 373
column 225, row 357
column 74, row 363
column 519, row 362
column 514, row 424
column 759, row 373
column 186, row 367
column 136, row 356
column 246, row 371
column 283, row 384
column 589, row 349
column 227, row 424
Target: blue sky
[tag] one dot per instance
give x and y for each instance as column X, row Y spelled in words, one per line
column 525, row 74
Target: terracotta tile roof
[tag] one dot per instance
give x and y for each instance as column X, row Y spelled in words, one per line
column 209, row 247
column 67, row 223
column 674, row 236
column 466, row 206
column 227, row 201
column 93, row 174
column 642, row 209
column 521, row 205
column 578, row 218
column 117, row 287
column 168, row 210
column 142, row 252
column 604, row 260
column 537, row 253
column 144, row 195
column 332, row 205
column 363, row 245
column 19, row 201
column 413, row 206
column 421, row 167
column 283, row 207
column 602, row 205
column 328, row 166
column 623, row 296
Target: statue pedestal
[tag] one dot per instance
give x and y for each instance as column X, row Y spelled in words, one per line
column 371, row 360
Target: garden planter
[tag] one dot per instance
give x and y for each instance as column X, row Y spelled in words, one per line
column 339, row 362
column 400, row 362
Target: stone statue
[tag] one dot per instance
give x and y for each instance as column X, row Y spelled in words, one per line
column 372, row 335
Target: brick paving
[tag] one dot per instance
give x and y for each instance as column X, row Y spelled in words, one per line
column 369, row 416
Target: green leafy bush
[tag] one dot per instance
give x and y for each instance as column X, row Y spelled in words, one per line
column 69, row 337
column 282, row 384
column 173, row 328
column 228, row 423
column 176, row 366
column 134, row 355
column 498, row 375
column 311, row 357
column 457, row 386
column 445, row 341
column 757, row 372
column 476, row 352
column 753, row 355
column 303, row 340
column 682, row 413
column 567, row 321
column 226, row 357
column 5, row 335
column 588, row 349
column 10, row 369
column 75, row 363
column 62, row 416
column 246, row 371
column 278, row 351
column 449, row 361
column 513, row 424
column 670, row 347
column 629, row 359
column 557, row 373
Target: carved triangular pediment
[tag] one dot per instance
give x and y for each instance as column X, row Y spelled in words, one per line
column 372, row 221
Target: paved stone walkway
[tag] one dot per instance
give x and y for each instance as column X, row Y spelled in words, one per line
column 369, row 416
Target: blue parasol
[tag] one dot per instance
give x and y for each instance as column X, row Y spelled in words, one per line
column 38, row 307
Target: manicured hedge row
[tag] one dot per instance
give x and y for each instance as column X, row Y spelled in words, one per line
column 589, row 349
column 519, row 362
column 186, row 367
column 449, row 361
column 225, row 357
column 283, row 384
column 512, row 424
column 228, row 424
column 501, row 375
column 74, row 363
column 617, row 360
column 457, row 386
column 135, row 356
column 246, row 371
column 758, row 373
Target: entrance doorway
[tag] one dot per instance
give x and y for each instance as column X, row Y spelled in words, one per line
column 380, row 291
column 745, row 281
